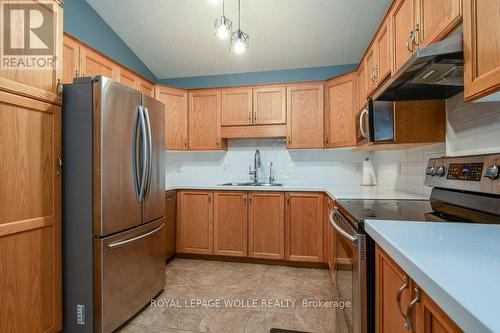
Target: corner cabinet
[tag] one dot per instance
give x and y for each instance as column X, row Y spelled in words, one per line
column 204, row 120
column 176, row 116
column 305, row 116
column 401, row 306
column 481, row 48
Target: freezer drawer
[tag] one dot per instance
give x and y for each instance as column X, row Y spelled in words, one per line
column 129, row 270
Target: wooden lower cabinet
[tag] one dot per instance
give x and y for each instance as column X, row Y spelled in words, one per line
column 266, row 225
column 394, row 290
column 30, row 215
column 230, row 223
column 195, row 222
column 304, row 226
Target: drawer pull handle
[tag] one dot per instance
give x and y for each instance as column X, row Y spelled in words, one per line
column 134, row 239
column 398, row 298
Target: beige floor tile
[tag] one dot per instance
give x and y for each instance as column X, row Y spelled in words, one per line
column 148, row 315
column 262, row 322
column 149, row 329
column 254, row 269
column 314, row 306
column 281, row 271
column 275, row 282
column 238, row 293
column 267, row 300
column 180, row 318
column 314, row 325
column 311, row 273
column 314, row 287
column 244, row 281
column 224, row 321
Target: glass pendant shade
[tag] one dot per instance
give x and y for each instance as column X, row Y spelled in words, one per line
column 223, row 27
column 239, row 42
column 214, row 2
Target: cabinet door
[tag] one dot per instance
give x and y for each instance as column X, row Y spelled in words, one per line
column 390, row 280
column 176, row 116
column 383, row 49
column 371, row 65
column 269, row 105
column 30, row 215
column 71, row 59
column 127, row 77
column 305, row 114
column 361, row 85
column 236, row 107
column 195, row 223
column 230, row 223
column 340, row 111
column 93, row 64
column 437, row 18
column 145, row 87
column 204, row 122
column 481, row 48
column 304, row 227
column 42, row 84
column 266, row 225
column 402, row 25
column 429, row 318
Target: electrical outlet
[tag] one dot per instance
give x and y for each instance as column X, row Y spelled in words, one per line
column 178, row 168
column 226, row 166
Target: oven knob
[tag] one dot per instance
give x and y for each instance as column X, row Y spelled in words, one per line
column 429, row 171
column 492, row 172
column 440, row 171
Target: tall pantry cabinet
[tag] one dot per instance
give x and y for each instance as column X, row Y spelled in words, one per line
column 30, row 192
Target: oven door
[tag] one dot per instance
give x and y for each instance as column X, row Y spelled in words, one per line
column 350, row 266
column 363, row 126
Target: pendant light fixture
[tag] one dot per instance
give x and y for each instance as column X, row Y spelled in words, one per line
column 239, row 39
column 214, row 2
column 223, row 26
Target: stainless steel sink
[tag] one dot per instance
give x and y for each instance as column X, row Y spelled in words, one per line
column 250, row 184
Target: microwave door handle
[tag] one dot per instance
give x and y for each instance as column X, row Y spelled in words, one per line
column 361, row 123
column 341, row 231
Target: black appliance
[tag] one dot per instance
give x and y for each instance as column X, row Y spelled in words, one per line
column 375, row 123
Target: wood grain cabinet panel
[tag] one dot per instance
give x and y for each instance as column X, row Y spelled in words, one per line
column 230, row 223
column 176, row 116
column 362, row 85
column 195, row 222
column 93, row 64
column 371, row 66
column 266, row 225
column 304, row 226
column 305, row 116
column 437, row 18
column 340, row 111
column 40, row 84
column 30, row 215
column 127, row 77
column 402, row 19
column 383, row 53
column 429, row 318
column 236, row 107
column 71, row 60
column 145, row 87
column 269, row 105
column 204, row 120
column 481, row 48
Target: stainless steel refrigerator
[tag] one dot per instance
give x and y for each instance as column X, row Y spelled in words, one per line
column 113, row 203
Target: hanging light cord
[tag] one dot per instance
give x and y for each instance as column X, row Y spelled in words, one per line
column 222, row 7
column 239, row 14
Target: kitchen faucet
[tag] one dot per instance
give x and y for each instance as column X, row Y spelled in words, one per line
column 256, row 166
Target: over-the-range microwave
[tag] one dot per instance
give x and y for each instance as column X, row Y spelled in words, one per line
column 375, row 123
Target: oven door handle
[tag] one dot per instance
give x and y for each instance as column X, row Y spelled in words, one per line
column 341, row 231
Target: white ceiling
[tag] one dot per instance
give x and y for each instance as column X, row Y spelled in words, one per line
column 175, row 38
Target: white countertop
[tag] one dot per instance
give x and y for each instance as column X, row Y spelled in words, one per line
column 335, row 191
column 456, row 264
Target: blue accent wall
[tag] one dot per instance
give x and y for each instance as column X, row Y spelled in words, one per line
column 277, row 76
column 82, row 22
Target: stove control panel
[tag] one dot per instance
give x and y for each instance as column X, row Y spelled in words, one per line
column 480, row 173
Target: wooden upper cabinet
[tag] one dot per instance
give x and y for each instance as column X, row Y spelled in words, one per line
column 127, row 77
column 340, row 111
column 383, row 52
column 361, row 84
column 304, row 226
column 176, row 116
column 437, row 18
column 230, row 223
column 390, row 281
column 371, row 66
column 403, row 32
column 236, row 107
column 481, row 48
column 30, row 215
column 93, row 64
column 145, row 87
column 71, row 59
column 204, row 120
column 266, row 225
column 269, row 105
column 305, row 116
column 195, row 222
column 42, row 84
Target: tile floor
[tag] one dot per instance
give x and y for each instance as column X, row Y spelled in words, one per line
column 190, row 280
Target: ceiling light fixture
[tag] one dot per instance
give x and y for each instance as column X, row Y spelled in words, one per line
column 223, row 26
column 214, row 2
column 239, row 39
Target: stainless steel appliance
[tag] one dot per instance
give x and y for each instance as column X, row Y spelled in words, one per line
column 375, row 123
column 465, row 190
column 113, row 203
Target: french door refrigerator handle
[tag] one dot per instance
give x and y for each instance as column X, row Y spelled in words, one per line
column 150, row 153
column 135, row 152
column 144, row 154
column 134, row 239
